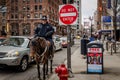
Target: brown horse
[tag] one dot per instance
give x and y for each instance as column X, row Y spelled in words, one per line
column 39, row 49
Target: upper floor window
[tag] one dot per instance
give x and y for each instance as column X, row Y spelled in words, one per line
column 40, row 7
column 40, row 15
column 36, row 1
column 36, row 15
column 3, row 14
column 24, row 8
column 40, row 1
column 12, row 16
column 28, row 15
column 36, row 7
column 16, row 16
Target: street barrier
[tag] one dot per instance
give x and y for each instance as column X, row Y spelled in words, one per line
column 95, row 57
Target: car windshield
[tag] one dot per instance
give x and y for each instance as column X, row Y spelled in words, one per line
column 17, row 42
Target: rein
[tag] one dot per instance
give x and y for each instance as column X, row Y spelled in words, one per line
column 43, row 53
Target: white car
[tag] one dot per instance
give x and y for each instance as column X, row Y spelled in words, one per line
column 57, row 43
column 15, row 51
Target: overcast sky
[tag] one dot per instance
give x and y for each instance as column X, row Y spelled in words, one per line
column 88, row 8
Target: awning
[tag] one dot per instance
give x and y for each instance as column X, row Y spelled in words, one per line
column 105, row 31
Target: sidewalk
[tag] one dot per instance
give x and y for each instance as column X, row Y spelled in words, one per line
column 79, row 68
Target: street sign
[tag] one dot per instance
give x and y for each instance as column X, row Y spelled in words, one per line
column 68, row 14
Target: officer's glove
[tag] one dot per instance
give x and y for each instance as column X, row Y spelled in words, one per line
column 49, row 33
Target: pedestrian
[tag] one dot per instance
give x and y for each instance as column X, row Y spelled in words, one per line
column 92, row 38
column 109, row 38
column 46, row 31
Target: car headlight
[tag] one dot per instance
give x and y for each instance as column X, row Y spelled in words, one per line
column 12, row 54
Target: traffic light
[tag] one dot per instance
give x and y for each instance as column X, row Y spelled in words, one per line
column 71, row 1
column 64, row 1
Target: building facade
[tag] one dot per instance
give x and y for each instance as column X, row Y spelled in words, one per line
column 24, row 15
column 78, row 28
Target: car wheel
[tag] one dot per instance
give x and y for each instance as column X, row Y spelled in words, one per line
column 24, row 64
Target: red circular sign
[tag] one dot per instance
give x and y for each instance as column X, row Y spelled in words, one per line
column 68, row 14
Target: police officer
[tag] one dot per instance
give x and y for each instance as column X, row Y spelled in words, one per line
column 45, row 30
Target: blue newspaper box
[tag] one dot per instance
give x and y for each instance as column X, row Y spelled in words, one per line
column 95, row 57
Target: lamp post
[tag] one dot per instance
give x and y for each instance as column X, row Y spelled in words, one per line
column 91, row 19
column 114, row 20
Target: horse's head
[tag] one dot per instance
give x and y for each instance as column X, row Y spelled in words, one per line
column 38, row 44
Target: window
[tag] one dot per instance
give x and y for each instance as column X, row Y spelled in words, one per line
column 16, row 8
column 77, row 2
column 36, row 1
column 12, row 16
column 40, row 15
column 3, row 14
column 12, row 1
column 40, row 7
column 28, row 7
column 40, row 1
column 28, row 15
column 16, row 16
column 35, row 7
column 24, row 8
column 36, row 15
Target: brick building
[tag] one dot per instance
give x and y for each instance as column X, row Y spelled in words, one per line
column 24, row 15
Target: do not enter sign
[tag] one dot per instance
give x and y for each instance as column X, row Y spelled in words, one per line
column 67, row 14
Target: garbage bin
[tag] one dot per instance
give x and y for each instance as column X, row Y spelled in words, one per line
column 84, row 43
column 95, row 57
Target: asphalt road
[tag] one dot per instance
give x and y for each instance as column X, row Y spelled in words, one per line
column 10, row 73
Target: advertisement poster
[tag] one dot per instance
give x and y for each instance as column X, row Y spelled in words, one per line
column 95, row 61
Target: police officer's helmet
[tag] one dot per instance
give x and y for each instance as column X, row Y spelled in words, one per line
column 44, row 18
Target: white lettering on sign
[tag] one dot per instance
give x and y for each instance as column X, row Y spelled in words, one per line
column 71, row 10
column 63, row 10
column 95, row 50
column 68, row 19
column 67, row 14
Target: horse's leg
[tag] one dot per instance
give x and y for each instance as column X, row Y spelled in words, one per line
column 47, row 67
column 44, row 71
column 38, row 68
column 51, row 60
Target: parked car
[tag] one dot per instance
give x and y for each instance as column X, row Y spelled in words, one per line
column 2, row 39
column 64, row 42
column 15, row 51
column 57, row 43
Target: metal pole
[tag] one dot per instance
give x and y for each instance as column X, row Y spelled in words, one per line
column 91, row 27
column 114, row 20
column 91, row 18
column 69, row 49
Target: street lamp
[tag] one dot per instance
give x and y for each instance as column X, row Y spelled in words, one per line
column 114, row 20
column 91, row 18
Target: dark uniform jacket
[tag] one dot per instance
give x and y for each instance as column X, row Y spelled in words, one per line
column 44, row 30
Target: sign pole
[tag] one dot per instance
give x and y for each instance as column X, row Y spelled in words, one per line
column 68, row 16
column 69, row 50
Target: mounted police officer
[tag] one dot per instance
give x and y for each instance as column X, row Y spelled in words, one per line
column 45, row 30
